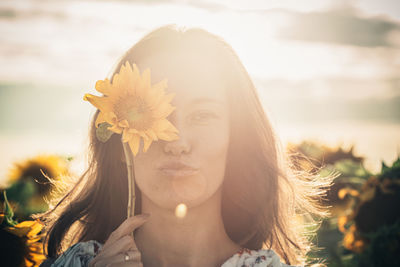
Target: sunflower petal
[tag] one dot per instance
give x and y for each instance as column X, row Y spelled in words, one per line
column 130, row 79
column 163, row 110
column 126, row 135
column 137, row 80
column 25, row 224
column 168, row 98
column 156, row 94
column 100, row 119
column 104, row 87
column 132, row 130
column 99, row 102
column 121, row 84
column 163, row 125
column 135, row 71
column 123, row 124
column 147, row 143
column 126, row 83
column 142, row 134
column 115, row 128
column 152, row 134
column 117, row 85
column 134, row 144
column 168, row 136
column 146, row 77
column 18, row 231
column 160, row 125
column 111, row 118
column 35, row 229
column 172, row 128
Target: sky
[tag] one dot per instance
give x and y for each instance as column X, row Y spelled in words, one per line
column 324, row 69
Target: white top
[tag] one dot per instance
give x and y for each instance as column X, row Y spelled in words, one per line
column 80, row 254
column 254, row 258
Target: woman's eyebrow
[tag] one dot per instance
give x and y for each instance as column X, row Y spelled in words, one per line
column 205, row 100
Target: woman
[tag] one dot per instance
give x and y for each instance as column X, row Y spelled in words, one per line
column 239, row 193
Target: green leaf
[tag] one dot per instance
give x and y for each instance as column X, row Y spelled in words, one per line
column 392, row 172
column 102, row 132
column 8, row 212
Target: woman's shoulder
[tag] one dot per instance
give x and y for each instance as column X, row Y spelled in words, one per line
column 79, row 255
column 255, row 258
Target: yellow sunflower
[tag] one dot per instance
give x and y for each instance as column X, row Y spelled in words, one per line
column 41, row 168
column 28, row 231
column 21, row 242
column 134, row 107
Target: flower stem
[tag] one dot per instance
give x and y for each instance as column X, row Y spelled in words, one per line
column 131, row 182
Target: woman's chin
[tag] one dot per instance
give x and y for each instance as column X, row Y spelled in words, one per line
column 189, row 188
column 191, row 191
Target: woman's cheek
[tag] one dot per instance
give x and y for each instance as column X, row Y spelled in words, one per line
column 214, row 149
column 215, row 139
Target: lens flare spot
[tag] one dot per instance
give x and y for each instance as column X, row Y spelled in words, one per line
column 181, row 210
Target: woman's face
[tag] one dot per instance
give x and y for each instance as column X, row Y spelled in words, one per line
column 202, row 118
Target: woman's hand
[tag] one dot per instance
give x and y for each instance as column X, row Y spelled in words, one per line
column 120, row 248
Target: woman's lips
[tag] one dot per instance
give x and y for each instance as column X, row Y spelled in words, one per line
column 178, row 172
column 177, row 168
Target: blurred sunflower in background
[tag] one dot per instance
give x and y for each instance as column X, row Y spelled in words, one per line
column 314, row 157
column 20, row 243
column 321, row 159
column 31, row 181
column 372, row 227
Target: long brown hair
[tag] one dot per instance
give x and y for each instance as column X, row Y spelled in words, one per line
column 261, row 192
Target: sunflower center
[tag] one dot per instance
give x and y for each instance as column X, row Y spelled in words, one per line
column 136, row 111
column 43, row 185
column 134, row 114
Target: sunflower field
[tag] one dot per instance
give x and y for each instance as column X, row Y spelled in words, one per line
column 364, row 224
column 363, row 228
column 30, row 187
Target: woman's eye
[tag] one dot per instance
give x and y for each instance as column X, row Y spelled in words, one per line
column 201, row 116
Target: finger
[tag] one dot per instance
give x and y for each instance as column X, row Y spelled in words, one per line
column 123, row 244
column 128, row 226
column 120, row 259
column 106, row 260
column 126, row 264
column 132, row 255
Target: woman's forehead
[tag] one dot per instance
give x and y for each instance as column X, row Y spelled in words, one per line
column 189, row 76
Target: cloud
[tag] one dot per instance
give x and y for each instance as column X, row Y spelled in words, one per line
column 338, row 98
column 346, row 26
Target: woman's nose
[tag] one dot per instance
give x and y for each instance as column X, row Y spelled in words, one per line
column 181, row 145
